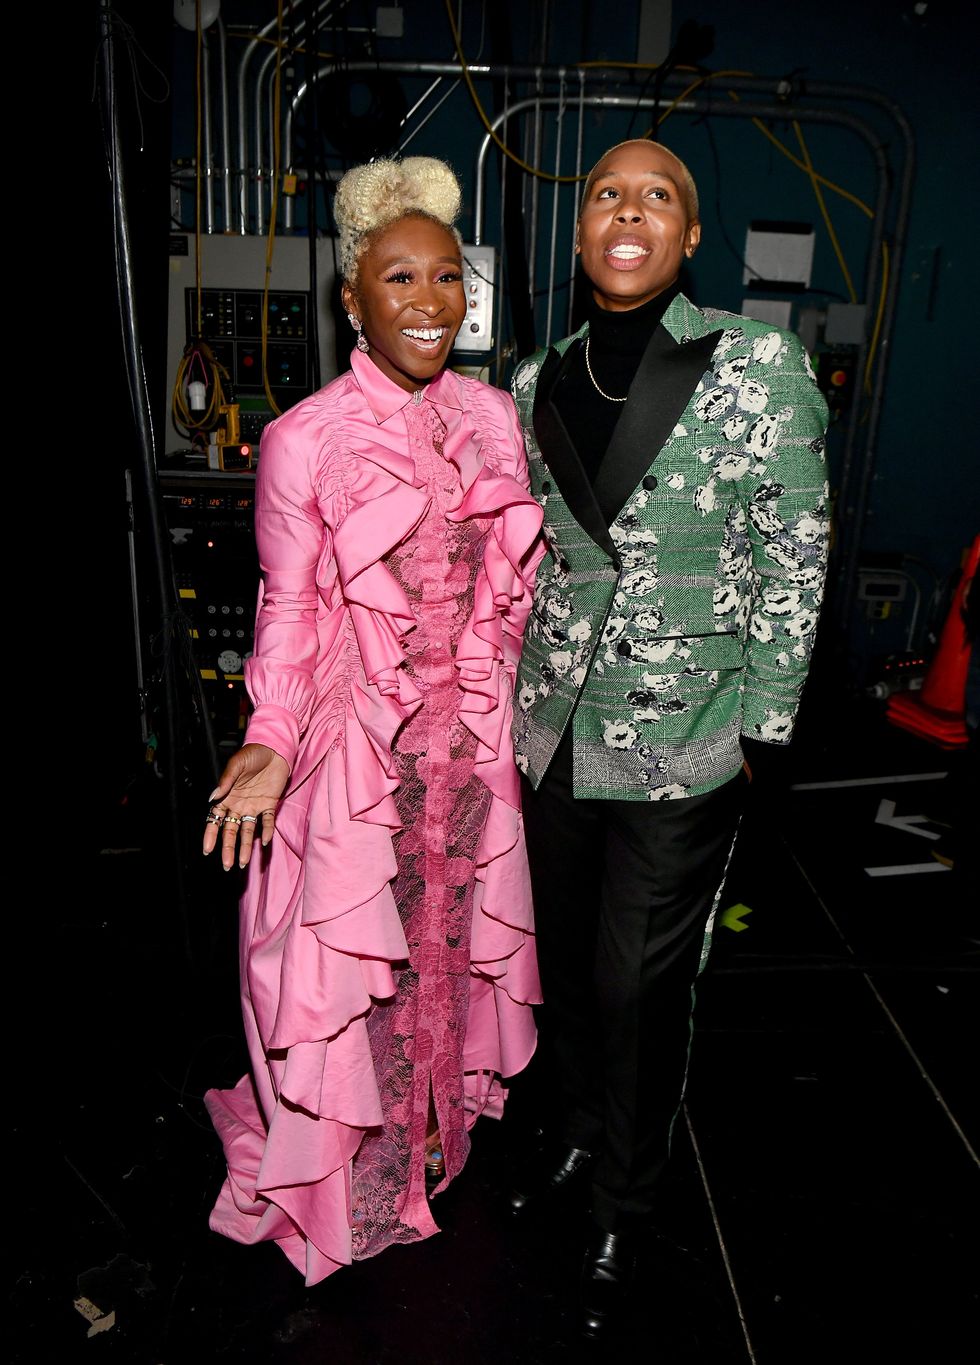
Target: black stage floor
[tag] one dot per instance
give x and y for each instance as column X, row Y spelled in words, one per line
column 824, row 1203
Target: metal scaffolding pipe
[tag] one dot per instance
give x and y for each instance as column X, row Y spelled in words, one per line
column 783, row 99
column 225, row 169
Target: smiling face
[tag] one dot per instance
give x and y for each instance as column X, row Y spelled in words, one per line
column 408, row 294
column 635, row 228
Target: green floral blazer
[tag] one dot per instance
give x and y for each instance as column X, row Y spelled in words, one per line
column 676, row 607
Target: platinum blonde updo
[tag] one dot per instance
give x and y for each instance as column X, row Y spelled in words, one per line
column 372, row 196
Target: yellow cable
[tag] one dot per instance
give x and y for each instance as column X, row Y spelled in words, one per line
column 838, row 189
column 622, row 66
column 273, row 42
column 708, row 76
column 184, row 420
column 604, row 65
column 885, row 267
column 180, row 412
column 816, row 179
column 198, row 106
column 270, row 240
column 574, row 179
column 683, row 95
column 511, row 156
column 823, row 209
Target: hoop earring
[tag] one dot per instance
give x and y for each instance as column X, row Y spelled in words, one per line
column 362, row 342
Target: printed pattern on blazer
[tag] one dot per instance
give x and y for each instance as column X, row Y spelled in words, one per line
column 676, row 606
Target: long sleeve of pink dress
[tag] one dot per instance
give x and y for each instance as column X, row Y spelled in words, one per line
column 386, row 944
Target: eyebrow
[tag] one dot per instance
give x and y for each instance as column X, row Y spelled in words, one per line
column 414, row 260
column 655, row 175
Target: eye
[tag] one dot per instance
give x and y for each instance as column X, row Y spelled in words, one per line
column 399, row 277
column 608, row 192
column 658, row 192
column 451, row 277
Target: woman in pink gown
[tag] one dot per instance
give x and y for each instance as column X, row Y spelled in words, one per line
column 386, row 951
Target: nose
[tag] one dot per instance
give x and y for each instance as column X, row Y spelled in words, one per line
column 628, row 213
column 428, row 300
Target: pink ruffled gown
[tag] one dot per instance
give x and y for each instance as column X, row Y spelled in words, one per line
column 386, row 937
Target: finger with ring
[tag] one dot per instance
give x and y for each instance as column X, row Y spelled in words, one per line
column 249, row 819
column 232, row 820
column 213, row 819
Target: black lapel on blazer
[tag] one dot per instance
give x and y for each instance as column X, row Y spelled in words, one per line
column 560, row 455
column 669, row 373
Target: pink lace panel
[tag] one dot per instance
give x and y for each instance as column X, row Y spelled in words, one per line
column 417, row 1038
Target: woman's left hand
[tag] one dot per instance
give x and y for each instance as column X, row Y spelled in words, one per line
column 245, row 798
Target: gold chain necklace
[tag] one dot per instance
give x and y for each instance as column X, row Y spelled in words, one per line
column 602, row 393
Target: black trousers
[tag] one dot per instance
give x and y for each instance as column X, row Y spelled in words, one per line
column 622, row 894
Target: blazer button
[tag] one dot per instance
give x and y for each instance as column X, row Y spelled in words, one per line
column 650, row 482
column 625, row 648
column 546, row 487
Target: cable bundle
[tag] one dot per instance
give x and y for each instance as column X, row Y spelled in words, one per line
column 201, row 377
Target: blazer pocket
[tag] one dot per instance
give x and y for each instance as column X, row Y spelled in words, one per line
column 714, row 650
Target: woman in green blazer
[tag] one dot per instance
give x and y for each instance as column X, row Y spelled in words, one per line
column 678, row 454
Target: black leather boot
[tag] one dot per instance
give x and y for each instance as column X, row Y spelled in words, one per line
column 557, row 1170
column 607, row 1274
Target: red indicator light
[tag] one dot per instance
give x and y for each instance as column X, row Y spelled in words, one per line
column 838, row 378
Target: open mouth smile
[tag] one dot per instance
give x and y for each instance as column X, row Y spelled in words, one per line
column 626, row 254
column 425, row 338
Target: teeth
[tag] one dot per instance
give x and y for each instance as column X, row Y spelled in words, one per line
column 423, row 333
column 628, row 253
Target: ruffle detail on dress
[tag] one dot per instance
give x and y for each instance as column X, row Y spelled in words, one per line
column 321, row 934
column 342, row 935
column 500, row 1033
column 381, row 615
column 500, row 1036
column 260, row 1199
column 312, row 975
column 487, row 650
column 314, row 971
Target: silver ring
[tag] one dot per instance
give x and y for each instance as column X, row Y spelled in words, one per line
column 213, row 819
column 249, row 819
column 271, row 812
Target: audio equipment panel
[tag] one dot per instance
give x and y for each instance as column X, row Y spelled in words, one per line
column 210, row 520
column 228, row 316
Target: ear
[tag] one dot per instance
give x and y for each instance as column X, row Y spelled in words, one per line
column 348, row 301
column 578, row 244
column 693, row 238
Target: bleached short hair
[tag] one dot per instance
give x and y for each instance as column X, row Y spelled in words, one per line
column 693, row 205
column 377, row 194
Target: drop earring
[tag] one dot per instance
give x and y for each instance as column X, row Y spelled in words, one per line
column 362, row 341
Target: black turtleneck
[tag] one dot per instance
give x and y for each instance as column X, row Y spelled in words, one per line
column 616, row 346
